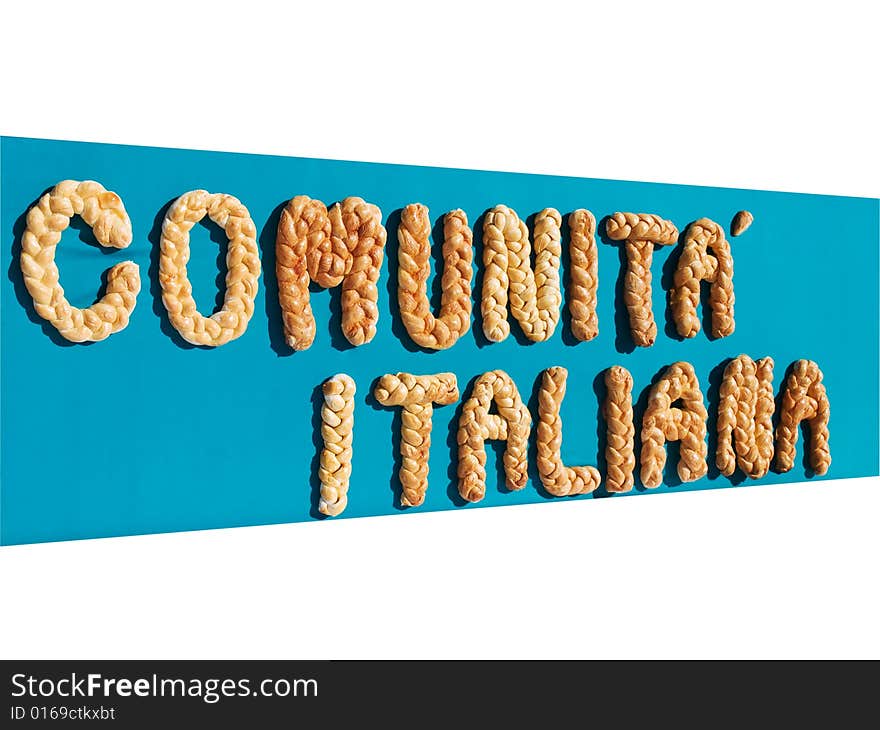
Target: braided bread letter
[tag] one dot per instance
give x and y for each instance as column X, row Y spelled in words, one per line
column 414, row 268
column 535, row 297
column 477, row 425
column 417, row 394
column 344, row 245
column 558, row 479
column 242, row 264
column 803, row 399
column 640, row 232
column 620, row 431
column 104, row 212
column 584, row 275
column 664, row 423
column 745, row 413
column 696, row 264
column 337, row 420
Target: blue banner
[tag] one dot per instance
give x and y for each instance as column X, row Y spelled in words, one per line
column 144, row 432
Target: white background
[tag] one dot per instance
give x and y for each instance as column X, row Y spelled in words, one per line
column 755, row 95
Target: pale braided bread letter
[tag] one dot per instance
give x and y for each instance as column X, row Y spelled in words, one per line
column 414, row 268
column 242, row 267
column 477, row 425
column 745, row 414
column 104, row 212
column 620, row 430
column 640, row 232
column 662, row 422
column 337, row 421
column 696, row 265
column 803, row 399
column 535, row 297
column 558, row 479
column 344, row 245
column 584, row 275
column 417, row 394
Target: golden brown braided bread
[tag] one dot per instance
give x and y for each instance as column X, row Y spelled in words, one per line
column 417, row 394
column 344, row 245
column 242, row 264
column 558, row 479
column 534, row 296
column 640, row 233
column 662, row 422
column 477, row 425
column 745, row 413
column 617, row 411
column 104, row 212
column 414, row 268
column 803, row 399
column 696, row 265
column 584, row 275
column 337, row 422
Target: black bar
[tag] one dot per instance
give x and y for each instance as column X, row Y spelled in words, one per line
column 267, row 693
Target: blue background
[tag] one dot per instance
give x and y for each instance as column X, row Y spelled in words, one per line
column 144, row 433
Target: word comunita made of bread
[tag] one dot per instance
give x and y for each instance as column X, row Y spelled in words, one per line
column 343, row 245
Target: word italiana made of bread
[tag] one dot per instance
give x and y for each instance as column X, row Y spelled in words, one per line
column 675, row 412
